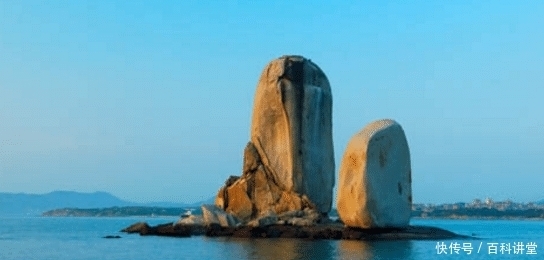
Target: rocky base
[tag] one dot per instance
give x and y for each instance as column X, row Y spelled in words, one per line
column 256, row 193
column 168, row 229
column 321, row 231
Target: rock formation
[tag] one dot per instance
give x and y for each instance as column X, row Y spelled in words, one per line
column 285, row 189
column 211, row 214
column 191, row 220
column 325, row 231
column 292, row 128
column 375, row 187
column 289, row 161
column 255, row 194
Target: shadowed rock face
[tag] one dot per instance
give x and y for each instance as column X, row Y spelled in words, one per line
column 213, row 215
column 375, row 188
column 289, row 161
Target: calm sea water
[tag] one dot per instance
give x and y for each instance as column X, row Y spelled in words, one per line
column 81, row 238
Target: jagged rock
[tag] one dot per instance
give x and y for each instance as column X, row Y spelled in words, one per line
column 270, row 218
column 252, row 160
column 191, row 220
column 255, row 193
column 288, row 201
column 291, row 129
column 291, row 214
column 312, row 215
column 239, row 202
column 306, row 217
column 375, row 178
column 300, row 222
column 220, row 198
column 214, row 215
column 266, row 193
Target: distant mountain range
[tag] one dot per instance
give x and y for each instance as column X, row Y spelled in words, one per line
column 36, row 204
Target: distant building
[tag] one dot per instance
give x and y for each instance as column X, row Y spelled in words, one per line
column 476, row 203
column 488, row 201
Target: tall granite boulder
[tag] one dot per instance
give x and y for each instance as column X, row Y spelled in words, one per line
column 375, row 187
column 289, row 161
column 292, row 128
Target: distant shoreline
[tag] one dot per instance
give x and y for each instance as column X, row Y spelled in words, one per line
column 454, row 214
column 506, row 210
column 118, row 212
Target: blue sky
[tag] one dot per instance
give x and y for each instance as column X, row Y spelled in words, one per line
column 152, row 101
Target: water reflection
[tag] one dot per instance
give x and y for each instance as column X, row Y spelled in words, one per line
column 355, row 249
column 283, row 248
column 289, row 249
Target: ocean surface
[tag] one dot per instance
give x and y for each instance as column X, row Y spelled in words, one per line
column 81, row 238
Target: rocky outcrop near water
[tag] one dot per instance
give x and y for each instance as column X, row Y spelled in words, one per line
column 375, row 178
column 289, row 161
column 214, row 215
column 285, row 189
column 321, row 231
column 255, row 194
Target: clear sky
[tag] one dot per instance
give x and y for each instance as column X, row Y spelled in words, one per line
column 151, row 101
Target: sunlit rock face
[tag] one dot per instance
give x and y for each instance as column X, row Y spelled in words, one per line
column 255, row 194
column 292, row 128
column 289, row 161
column 375, row 186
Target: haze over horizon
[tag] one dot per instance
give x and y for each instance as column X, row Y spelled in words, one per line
column 151, row 101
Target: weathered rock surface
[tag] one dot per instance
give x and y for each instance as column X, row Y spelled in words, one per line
column 306, row 217
column 375, row 187
column 270, row 218
column 211, row 214
column 292, row 128
column 255, row 193
column 289, row 161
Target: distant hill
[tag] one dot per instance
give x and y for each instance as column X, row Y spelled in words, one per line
column 36, row 204
column 121, row 212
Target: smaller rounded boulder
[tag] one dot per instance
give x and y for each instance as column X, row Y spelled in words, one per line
column 375, row 186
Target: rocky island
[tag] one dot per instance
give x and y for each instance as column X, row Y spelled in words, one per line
column 285, row 189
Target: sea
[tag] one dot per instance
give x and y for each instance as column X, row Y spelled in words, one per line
column 80, row 238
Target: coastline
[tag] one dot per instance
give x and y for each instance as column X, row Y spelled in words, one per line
column 177, row 212
column 331, row 231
